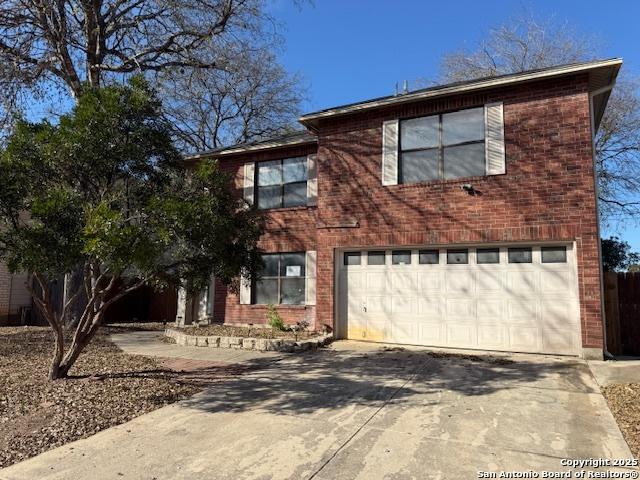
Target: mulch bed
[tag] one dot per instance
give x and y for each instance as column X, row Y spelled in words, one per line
column 624, row 402
column 106, row 387
column 229, row 331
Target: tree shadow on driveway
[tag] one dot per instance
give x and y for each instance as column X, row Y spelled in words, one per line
column 330, row 379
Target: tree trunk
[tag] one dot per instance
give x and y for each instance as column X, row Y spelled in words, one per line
column 80, row 341
column 87, row 327
column 54, row 369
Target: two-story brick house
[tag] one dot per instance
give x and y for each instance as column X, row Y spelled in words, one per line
column 463, row 215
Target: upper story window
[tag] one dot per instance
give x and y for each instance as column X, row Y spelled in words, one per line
column 282, row 183
column 445, row 146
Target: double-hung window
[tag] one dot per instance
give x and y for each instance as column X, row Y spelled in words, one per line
column 282, row 280
column 282, row 183
column 445, row 146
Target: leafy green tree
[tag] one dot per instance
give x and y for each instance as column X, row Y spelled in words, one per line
column 617, row 255
column 105, row 192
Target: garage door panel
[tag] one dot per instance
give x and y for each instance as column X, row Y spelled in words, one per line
column 461, row 335
column 403, row 282
column 405, row 332
column 490, row 309
column 430, row 307
column 460, row 308
column 554, row 281
column 522, row 311
column 524, row 339
column 355, row 305
column 378, row 328
column 492, row 336
column 524, row 282
column 375, row 304
column 491, row 281
column 430, row 281
column 432, row 334
column 530, row 307
column 376, row 282
column 404, row 305
column 461, row 282
column 557, row 313
column 555, row 340
column 353, row 281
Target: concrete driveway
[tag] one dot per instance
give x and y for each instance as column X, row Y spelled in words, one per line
column 357, row 411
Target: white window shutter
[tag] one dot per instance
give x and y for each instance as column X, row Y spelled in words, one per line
column 494, row 138
column 390, row 152
column 310, row 268
column 245, row 291
column 248, row 189
column 312, row 180
column 181, row 313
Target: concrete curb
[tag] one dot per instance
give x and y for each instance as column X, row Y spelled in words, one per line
column 248, row 343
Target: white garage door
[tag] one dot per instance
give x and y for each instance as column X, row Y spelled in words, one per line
column 516, row 298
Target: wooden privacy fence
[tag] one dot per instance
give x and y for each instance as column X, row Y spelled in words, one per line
column 142, row 305
column 622, row 310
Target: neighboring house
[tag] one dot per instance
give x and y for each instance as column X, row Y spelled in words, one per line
column 462, row 215
column 15, row 299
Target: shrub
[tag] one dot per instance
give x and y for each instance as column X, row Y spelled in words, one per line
column 274, row 319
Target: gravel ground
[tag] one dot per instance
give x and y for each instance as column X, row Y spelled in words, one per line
column 229, row 331
column 624, row 402
column 107, row 387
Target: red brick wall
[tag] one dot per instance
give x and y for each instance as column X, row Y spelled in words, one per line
column 547, row 193
column 287, row 230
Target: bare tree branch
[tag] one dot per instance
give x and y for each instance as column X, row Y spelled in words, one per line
column 48, row 44
column 524, row 44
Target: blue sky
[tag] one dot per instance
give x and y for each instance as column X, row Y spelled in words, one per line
column 350, row 50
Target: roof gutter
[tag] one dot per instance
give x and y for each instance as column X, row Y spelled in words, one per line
column 250, row 148
column 311, row 118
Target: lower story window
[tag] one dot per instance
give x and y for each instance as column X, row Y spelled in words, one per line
column 282, row 280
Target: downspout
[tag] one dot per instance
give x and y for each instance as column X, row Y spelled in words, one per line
column 599, row 91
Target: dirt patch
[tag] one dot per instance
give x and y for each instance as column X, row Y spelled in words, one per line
column 492, row 359
column 107, row 387
column 229, row 331
column 624, row 402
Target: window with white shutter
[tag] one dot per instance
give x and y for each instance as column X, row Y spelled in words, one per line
column 459, row 144
column 282, row 183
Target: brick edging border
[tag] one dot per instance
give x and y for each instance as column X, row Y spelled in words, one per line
column 248, row 343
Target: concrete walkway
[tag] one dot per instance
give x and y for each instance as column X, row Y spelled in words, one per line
column 615, row 371
column 356, row 412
